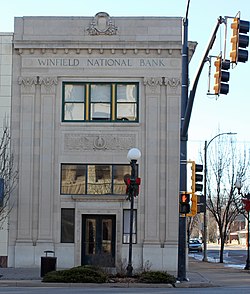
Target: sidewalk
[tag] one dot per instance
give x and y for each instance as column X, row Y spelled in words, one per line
column 211, row 274
column 200, row 274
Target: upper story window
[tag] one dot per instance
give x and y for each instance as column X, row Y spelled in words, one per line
column 112, row 102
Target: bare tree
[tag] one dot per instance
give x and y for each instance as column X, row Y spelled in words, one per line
column 8, row 173
column 193, row 226
column 212, row 229
column 225, row 166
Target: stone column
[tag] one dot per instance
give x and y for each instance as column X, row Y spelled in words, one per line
column 46, row 151
column 152, row 159
column 173, row 94
column 25, row 137
column 25, row 196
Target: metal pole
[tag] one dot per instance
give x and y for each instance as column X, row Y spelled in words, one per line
column 205, row 208
column 205, row 191
column 186, row 109
column 183, row 156
column 247, row 267
column 190, row 100
column 131, row 197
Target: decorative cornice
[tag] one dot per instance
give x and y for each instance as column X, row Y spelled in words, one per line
column 102, row 24
column 90, row 48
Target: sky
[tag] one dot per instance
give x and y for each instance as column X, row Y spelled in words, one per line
column 211, row 115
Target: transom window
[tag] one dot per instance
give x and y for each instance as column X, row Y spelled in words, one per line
column 88, row 179
column 100, row 102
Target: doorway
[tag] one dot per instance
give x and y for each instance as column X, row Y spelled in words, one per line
column 98, row 240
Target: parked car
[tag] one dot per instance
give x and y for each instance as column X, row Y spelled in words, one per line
column 194, row 245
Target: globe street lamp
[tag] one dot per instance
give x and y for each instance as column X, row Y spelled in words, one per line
column 133, row 155
column 205, row 192
column 246, row 202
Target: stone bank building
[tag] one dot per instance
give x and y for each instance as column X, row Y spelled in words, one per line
column 85, row 90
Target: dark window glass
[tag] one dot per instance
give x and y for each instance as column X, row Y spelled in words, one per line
column 90, row 236
column 67, row 225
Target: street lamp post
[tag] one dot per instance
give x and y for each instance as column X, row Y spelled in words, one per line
column 246, row 201
column 205, row 192
column 133, row 155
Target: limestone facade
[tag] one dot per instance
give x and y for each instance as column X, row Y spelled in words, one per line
column 49, row 51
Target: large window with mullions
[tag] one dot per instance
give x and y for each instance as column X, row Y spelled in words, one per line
column 97, row 102
column 91, row 179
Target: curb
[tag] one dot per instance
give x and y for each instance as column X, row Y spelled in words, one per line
column 39, row 283
column 25, row 283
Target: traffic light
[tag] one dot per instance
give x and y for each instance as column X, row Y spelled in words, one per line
column 184, row 207
column 239, row 40
column 201, row 203
column 197, row 177
column 198, row 204
column 222, row 76
column 194, row 205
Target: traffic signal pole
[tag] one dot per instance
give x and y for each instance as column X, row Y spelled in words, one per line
column 186, row 109
column 181, row 275
column 190, row 99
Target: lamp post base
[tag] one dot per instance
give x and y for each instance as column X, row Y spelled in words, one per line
column 129, row 270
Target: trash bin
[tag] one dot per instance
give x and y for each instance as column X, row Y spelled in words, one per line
column 48, row 263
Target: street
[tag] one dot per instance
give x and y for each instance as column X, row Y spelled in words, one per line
column 44, row 290
column 234, row 255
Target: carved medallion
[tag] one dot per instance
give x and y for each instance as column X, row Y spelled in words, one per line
column 99, row 143
column 102, row 25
